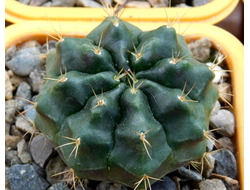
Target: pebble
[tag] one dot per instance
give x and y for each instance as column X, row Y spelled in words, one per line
column 9, row 52
column 16, row 80
column 197, row 3
column 41, row 149
column 225, row 163
column 11, row 158
column 110, row 186
column 225, row 121
column 37, row 81
column 63, row 3
column 138, row 4
column 225, row 142
column 59, row 186
column 11, row 142
column 30, row 111
column 25, row 177
column 200, row 49
column 158, row 3
column 54, row 166
column 212, row 184
column 210, row 142
column 167, row 184
column 24, row 92
column 37, row 2
column 24, row 61
column 31, row 43
column 208, row 166
column 10, row 110
column 216, row 108
column 8, row 87
column 26, row 2
column 23, row 125
column 219, row 73
column 23, row 153
column 7, row 128
column 231, row 184
column 88, row 3
column 189, row 174
column 224, row 89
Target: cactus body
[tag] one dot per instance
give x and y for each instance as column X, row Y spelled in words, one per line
column 138, row 124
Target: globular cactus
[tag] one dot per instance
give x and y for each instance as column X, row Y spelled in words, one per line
column 126, row 106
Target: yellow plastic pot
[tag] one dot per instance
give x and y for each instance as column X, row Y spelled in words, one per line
column 211, row 13
column 221, row 39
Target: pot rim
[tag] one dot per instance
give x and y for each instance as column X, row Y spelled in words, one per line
column 211, row 13
column 17, row 34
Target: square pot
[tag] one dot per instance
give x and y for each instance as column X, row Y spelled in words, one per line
column 19, row 33
column 211, row 13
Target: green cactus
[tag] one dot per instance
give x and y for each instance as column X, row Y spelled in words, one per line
column 124, row 105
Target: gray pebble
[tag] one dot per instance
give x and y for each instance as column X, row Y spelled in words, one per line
column 23, row 124
column 208, row 165
column 225, row 163
column 197, row 3
column 212, row 184
column 224, row 120
column 189, row 174
column 24, row 61
column 37, row 2
column 52, row 45
column 88, row 3
column 11, row 158
column 59, row 186
column 37, row 81
column 210, row 142
column 23, row 153
column 26, row 2
column 41, row 149
column 225, row 142
column 30, row 44
column 25, row 177
column 10, row 110
column 54, row 166
column 24, row 92
column 30, row 111
column 40, row 171
column 167, row 184
column 216, row 108
column 9, row 52
column 7, row 128
column 200, row 48
column 63, row 3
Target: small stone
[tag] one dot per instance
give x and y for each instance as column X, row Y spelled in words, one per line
column 59, row 186
column 7, row 128
column 54, row 166
column 208, row 166
column 31, row 43
column 197, row 3
column 10, row 110
column 23, row 153
column 186, row 186
column 167, row 184
column 30, row 111
column 224, row 121
column 11, row 142
column 37, row 2
column 182, row 5
column 210, row 142
column 9, row 52
column 26, row 2
column 11, row 158
column 200, row 49
column 216, row 108
column 88, row 3
column 158, row 3
column 40, row 171
column 47, row 4
column 212, row 184
column 22, row 124
column 63, row 3
column 24, row 61
column 24, row 92
column 231, row 184
column 25, row 177
column 225, row 142
column 41, row 149
column 219, row 73
column 8, row 87
column 225, row 163
column 224, row 89
column 17, row 80
column 37, row 81
column 189, row 174
column 138, row 4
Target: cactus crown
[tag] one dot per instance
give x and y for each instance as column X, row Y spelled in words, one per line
column 125, row 105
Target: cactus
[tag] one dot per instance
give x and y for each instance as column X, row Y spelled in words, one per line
column 126, row 106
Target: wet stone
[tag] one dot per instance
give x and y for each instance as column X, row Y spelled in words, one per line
column 225, row 163
column 25, row 177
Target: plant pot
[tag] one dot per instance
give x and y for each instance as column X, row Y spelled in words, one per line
column 19, row 33
column 212, row 13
